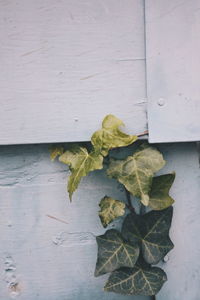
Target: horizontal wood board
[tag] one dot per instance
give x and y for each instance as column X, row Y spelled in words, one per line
column 173, row 67
column 44, row 258
column 52, row 260
column 66, row 64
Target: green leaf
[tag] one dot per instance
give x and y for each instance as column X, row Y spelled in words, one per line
column 141, row 280
column 110, row 210
column 110, row 136
column 159, row 195
column 136, row 171
column 56, row 151
column 80, row 163
column 114, row 253
column 151, row 232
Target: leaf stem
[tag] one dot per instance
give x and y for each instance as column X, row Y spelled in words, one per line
column 146, row 132
column 142, row 209
column 129, row 204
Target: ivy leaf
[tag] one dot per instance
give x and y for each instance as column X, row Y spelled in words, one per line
column 56, row 151
column 114, row 253
column 136, row 171
column 110, row 210
column 110, row 136
column 80, row 163
column 159, row 195
column 151, row 232
column 141, row 280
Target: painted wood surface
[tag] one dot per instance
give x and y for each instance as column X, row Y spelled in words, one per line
column 66, row 64
column 43, row 258
column 182, row 263
column 173, row 64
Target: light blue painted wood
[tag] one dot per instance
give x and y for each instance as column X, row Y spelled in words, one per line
column 40, row 257
column 66, row 64
column 183, row 265
column 48, row 259
column 173, row 64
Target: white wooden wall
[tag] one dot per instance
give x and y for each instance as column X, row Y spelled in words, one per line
column 40, row 257
column 183, row 266
column 51, row 260
column 65, row 65
column 173, row 66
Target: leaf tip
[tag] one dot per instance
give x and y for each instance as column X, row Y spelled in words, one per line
column 55, row 152
column 145, row 199
column 70, row 195
column 174, row 174
column 96, row 273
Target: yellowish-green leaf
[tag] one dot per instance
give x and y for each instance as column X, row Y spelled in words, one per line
column 114, row 253
column 110, row 136
column 159, row 195
column 110, row 210
column 56, row 151
column 136, row 171
column 80, row 163
column 142, row 279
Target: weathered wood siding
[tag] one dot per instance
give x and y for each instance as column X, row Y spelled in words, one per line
column 64, row 66
column 67, row 64
column 183, row 266
column 51, row 260
column 173, row 66
column 42, row 258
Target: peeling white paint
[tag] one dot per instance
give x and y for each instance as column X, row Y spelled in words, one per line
column 10, row 277
column 70, row 239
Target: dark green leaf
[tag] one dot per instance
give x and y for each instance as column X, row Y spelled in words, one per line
column 136, row 171
column 114, row 253
column 80, row 163
column 151, row 232
column 141, row 280
column 110, row 136
column 159, row 195
column 110, row 210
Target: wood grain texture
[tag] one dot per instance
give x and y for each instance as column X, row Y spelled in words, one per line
column 43, row 258
column 66, row 64
column 173, row 65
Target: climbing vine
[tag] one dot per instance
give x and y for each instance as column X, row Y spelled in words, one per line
column 130, row 255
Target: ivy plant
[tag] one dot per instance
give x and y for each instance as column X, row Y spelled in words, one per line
column 130, row 255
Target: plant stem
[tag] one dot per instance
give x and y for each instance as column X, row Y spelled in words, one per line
column 142, row 212
column 129, row 204
column 142, row 209
column 146, row 132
